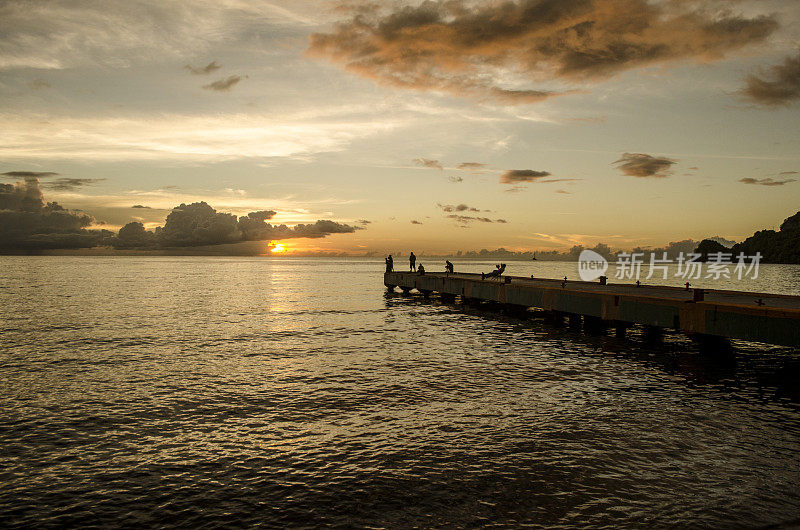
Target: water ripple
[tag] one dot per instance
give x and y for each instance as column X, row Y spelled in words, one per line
column 172, row 392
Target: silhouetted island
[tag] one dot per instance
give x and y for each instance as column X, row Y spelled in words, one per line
column 710, row 246
column 782, row 246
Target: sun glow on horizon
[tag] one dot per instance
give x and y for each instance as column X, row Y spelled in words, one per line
column 277, row 248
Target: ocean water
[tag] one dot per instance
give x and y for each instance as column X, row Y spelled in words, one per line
column 207, row 392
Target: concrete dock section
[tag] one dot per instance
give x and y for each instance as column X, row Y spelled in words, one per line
column 757, row 317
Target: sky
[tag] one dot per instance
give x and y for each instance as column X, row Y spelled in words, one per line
column 430, row 126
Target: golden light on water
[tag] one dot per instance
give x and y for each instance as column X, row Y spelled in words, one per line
column 278, row 248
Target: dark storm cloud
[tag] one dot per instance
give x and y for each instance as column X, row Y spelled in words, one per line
column 29, row 174
column 459, row 46
column 514, row 176
column 642, row 165
column 198, row 224
column 262, row 215
column 203, row 70
column 427, row 162
column 317, row 230
column 69, row 184
column 223, row 84
column 769, row 181
column 21, row 196
column 781, row 85
column 470, row 166
column 27, row 223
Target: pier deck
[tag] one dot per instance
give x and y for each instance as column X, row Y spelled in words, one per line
column 758, row 317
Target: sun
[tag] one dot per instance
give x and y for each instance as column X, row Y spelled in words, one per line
column 278, row 248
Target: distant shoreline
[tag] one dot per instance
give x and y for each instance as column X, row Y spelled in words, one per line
column 200, row 253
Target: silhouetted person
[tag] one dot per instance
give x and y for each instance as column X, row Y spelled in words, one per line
column 496, row 273
column 389, row 263
column 421, row 270
column 448, row 267
column 412, row 261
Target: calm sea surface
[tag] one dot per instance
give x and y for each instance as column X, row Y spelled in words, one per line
column 204, row 392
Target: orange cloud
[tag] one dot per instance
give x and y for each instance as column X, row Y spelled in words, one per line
column 462, row 47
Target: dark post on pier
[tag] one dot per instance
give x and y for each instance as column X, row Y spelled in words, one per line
column 757, row 317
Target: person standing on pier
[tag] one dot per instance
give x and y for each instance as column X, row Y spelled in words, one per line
column 448, row 267
column 389, row 263
column 412, row 261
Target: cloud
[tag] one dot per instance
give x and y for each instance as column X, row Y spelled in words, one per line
column 223, row 85
column 29, row 174
column 182, row 136
column 315, row 230
column 59, row 184
column 60, row 34
column 590, row 119
column 427, row 162
column 455, row 179
column 564, row 192
column 364, row 221
column 262, row 215
column 514, row 176
column 788, row 173
column 470, row 166
column 642, row 165
column 199, row 224
column 781, row 85
column 769, row 181
column 203, row 70
column 457, row 208
column 415, row 222
column 70, row 184
column 517, row 97
column 27, row 223
column 467, row 48
column 456, row 212
column 464, row 219
column 39, row 84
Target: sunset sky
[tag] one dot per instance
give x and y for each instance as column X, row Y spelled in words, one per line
column 551, row 122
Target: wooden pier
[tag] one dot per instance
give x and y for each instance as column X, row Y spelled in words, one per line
column 702, row 313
